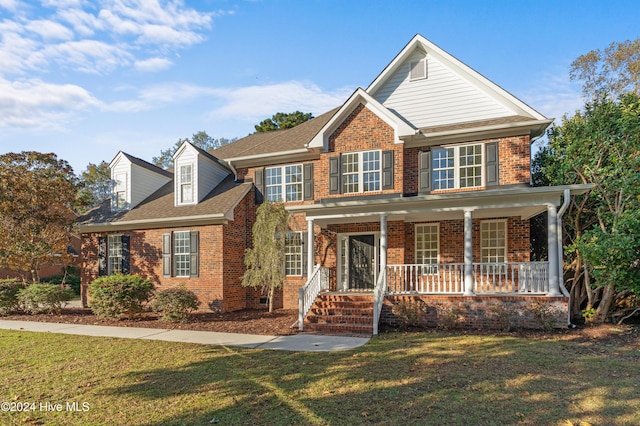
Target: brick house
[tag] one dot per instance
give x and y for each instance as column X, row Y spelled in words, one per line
column 417, row 187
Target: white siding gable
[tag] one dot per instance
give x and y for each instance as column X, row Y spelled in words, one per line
column 444, row 97
column 206, row 174
column 135, row 181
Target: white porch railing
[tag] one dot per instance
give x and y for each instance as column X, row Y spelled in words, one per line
column 378, row 297
column 489, row 278
column 318, row 281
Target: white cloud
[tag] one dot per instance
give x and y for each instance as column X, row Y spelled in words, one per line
column 554, row 95
column 254, row 102
column 8, row 4
column 153, row 64
column 34, row 103
column 50, row 30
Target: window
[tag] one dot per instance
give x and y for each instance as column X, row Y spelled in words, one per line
column 186, row 184
column 113, row 254
column 361, row 172
column 457, row 167
column 180, row 254
column 428, row 247
column 287, row 180
column 293, row 253
column 120, row 192
column 493, row 241
column 114, row 247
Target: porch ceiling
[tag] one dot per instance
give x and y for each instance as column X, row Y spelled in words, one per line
column 521, row 202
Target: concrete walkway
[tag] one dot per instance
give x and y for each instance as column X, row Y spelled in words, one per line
column 296, row 342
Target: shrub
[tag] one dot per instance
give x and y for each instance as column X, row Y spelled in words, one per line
column 543, row 314
column 44, row 298
column 175, row 304
column 118, row 295
column 73, row 281
column 9, row 295
column 412, row 312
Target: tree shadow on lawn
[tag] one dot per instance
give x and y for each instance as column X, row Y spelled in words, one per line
column 428, row 378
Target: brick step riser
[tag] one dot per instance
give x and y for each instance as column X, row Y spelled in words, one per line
column 343, row 305
column 344, row 299
column 338, row 319
column 346, row 312
column 340, row 328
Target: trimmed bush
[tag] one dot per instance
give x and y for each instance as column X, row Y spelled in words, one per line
column 72, row 281
column 9, row 295
column 116, row 296
column 175, row 304
column 44, row 298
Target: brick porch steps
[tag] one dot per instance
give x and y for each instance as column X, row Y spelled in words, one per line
column 334, row 313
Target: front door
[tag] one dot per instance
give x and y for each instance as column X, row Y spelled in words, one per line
column 361, row 258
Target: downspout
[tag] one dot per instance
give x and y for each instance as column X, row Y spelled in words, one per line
column 563, row 289
column 233, row 169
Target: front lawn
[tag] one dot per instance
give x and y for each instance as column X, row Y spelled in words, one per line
column 398, row 378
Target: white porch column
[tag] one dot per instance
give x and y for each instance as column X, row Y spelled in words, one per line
column 310, row 248
column 468, row 253
column 552, row 242
column 383, row 242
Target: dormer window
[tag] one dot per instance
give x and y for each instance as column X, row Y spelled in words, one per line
column 120, row 192
column 418, row 69
column 186, row 184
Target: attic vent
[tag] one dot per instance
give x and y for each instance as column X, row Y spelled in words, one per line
column 418, row 70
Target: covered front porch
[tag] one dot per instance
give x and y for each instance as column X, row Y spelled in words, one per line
column 377, row 244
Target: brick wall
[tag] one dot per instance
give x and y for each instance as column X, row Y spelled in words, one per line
column 481, row 312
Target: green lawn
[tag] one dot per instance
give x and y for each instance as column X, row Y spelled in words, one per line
column 396, row 379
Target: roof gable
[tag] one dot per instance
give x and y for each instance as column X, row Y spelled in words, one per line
column 401, row 128
column 451, row 93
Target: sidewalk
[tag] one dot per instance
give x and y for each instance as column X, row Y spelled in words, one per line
column 298, row 342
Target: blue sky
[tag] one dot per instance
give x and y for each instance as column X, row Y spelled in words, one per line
column 87, row 78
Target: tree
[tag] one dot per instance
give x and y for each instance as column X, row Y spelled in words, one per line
column 38, row 205
column 281, row 120
column 97, row 183
column 200, row 139
column 612, row 71
column 601, row 146
column 265, row 259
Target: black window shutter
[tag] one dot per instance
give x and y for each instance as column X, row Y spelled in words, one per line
column 193, row 260
column 166, row 254
column 259, row 176
column 126, row 256
column 334, row 175
column 102, row 256
column 492, row 164
column 387, row 169
column 308, row 180
column 424, row 164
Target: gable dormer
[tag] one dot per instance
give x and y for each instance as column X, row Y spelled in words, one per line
column 196, row 173
column 134, row 180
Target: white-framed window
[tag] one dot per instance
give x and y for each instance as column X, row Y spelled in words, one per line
column 457, row 167
column 186, row 184
column 493, row 241
column 120, row 191
column 361, row 172
column 428, row 246
column 182, row 253
column 284, row 183
column 293, row 253
column 114, row 257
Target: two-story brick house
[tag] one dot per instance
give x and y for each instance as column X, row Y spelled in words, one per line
column 416, row 187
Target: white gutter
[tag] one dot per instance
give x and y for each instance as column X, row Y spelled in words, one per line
column 563, row 208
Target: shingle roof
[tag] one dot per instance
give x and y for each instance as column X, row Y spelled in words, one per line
column 160, row 205
column 139, row 162
column 474, row 124
column 276, row 141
